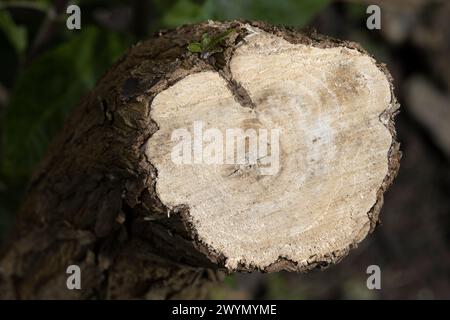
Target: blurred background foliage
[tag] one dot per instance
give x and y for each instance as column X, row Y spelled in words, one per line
column 46, row 69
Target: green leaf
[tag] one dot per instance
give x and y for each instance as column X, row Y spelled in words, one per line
column 217, row 39
column 209, row 45
column 46, row 91
column 195, row 47
column 205, row 41
column 17, row 35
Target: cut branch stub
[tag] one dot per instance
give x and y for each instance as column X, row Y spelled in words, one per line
column 325, row 114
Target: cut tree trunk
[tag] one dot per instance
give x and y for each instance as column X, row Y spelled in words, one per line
column 110, row 197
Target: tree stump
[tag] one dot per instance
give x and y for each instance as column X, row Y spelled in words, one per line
column 266, row 149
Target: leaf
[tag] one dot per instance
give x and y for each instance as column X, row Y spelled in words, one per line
column 205, row 41
column 195, row 47
column 217, row 39
column 46, row 91
column 17, row 35
column 209, row 45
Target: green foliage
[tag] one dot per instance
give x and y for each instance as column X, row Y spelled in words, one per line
column 231, row 281
column 355, row 288
column 280, row 286
column 357, row 11
column 209, row 45
column 47, row 90
column 195, row 47
column 17, row 35
column 291, row 12
column 182, row 12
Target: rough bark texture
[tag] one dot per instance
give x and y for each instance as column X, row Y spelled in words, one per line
column 92, row 200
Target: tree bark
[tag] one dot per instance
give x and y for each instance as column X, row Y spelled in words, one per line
column 93, row 201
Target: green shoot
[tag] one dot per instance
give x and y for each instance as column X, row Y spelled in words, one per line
column 208, row 46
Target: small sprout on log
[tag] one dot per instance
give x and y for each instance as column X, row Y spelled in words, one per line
column 209, row 45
